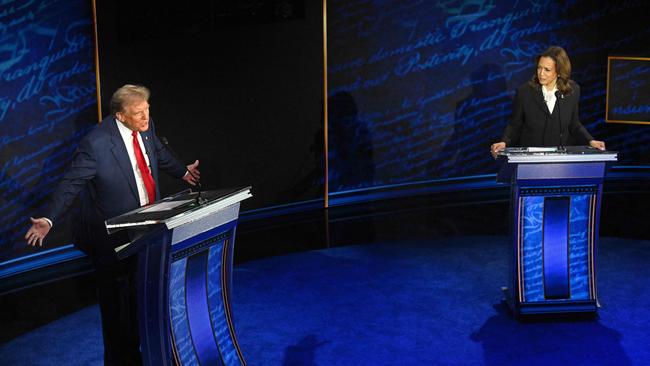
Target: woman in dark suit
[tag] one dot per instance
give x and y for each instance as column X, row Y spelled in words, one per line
column 545, row 109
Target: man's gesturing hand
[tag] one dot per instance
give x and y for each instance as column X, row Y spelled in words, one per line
column 194, row 175
column 38, row 231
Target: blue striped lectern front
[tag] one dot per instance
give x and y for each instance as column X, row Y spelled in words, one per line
column 184, row 247
column 555, row 210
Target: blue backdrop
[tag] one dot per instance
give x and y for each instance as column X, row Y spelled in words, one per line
column 418, row 90
column 47, row 103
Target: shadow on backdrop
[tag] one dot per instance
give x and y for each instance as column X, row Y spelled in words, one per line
column 351, row 152
column 479, row 119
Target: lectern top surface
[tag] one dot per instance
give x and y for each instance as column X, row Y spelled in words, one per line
column 179, row 205
column 567, row 154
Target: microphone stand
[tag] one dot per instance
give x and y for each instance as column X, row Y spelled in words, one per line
column 558, row 95
column 199, row 200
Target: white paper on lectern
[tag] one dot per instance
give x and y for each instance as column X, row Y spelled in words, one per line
column 542, row 149
column 165, row 206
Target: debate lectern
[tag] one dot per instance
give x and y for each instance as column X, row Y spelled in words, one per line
column 184, row 247
column 555, row 210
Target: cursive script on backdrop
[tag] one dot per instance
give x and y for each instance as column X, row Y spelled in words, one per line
column 47, row 104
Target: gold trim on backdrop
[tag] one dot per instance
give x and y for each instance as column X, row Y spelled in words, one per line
column 628, row 58
column 609, row 66
column 627, row 122
column 99, row 97
column 325, row 114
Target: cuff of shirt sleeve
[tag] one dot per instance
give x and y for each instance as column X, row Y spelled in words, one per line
column 48, row 221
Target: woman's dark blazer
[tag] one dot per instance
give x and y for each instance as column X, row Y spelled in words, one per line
column 533, row 125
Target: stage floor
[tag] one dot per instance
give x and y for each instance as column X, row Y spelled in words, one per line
column 426, row 302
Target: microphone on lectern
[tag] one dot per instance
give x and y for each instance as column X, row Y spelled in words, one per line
column 199, row 199
column 559, row 95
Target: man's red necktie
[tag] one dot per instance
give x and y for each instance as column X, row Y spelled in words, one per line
column 149, row 184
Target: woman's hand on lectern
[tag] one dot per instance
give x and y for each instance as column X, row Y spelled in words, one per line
column 499, row 146
column 600, row 145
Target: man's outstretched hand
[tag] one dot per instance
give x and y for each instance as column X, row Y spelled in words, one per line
column 38, row 231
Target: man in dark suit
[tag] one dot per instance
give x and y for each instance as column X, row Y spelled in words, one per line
column 545, row 110
column 114, row 170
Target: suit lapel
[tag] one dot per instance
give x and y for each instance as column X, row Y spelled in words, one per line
column 539, row 99
column 122, row 157
column 559, row 108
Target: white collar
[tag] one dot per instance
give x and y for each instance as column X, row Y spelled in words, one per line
column 124, row 131
column 549, row 92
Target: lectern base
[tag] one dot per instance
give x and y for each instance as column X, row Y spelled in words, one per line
column 555, row 308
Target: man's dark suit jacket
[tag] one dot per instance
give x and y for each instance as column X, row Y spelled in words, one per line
column 533, row 125
column 102, row 175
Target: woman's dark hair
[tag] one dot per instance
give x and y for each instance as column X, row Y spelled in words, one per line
column 562, row 67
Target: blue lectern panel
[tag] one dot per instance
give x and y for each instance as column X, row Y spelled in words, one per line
column 202, row 324
column 184, row 349
column 198, row 312
column 532, row 266
column 219, row 315
column 184, row 281
column 532, row 247
column 579, row 246
column 556, row 247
